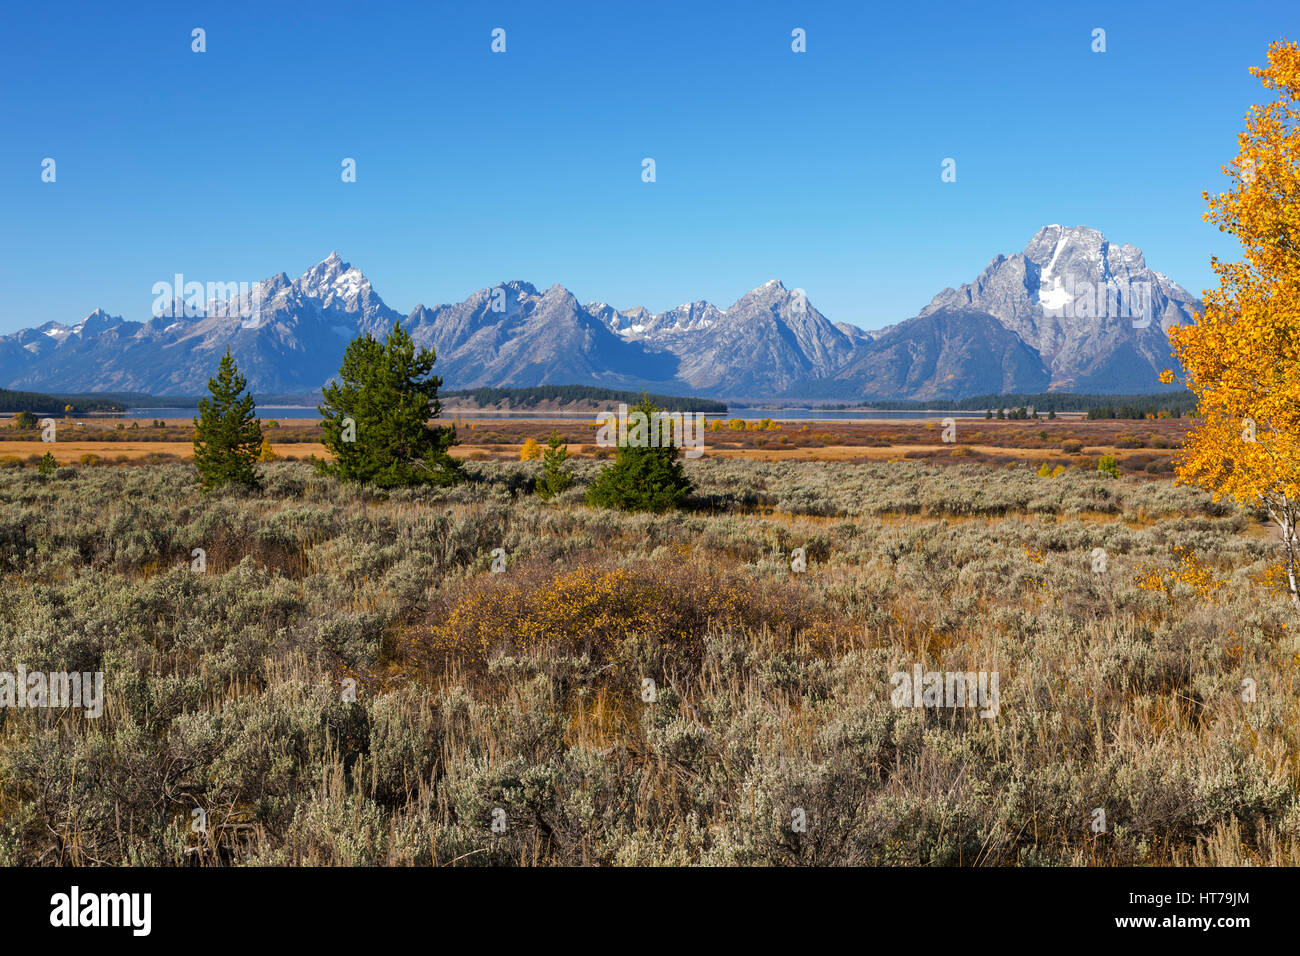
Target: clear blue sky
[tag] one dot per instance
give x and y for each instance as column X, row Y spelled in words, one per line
column 821, row 169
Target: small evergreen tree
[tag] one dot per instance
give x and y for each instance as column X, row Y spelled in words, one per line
column 554, row 479
column 47, row 465
column 376, row 416
column 642, row 478
column 227, row 438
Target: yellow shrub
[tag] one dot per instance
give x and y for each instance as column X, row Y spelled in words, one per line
column 531, row 450
column 613, row 616
column 1190, row 571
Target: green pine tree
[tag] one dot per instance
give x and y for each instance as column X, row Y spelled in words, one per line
column 227, row 438
column 554, row 479
column 642, row 478
column 376, row 416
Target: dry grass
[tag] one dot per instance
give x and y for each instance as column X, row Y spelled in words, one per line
column 524, row 691
column 989, row 442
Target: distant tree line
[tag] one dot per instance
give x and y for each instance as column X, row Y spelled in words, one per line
column 1177, row 403
column 1181, row 400
column 1149, row 410
column 529, row 397
column 1017, row 414
column 55, row 404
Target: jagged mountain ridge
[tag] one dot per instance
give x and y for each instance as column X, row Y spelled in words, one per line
column 1070, row 295
column 513, row 335
column 1020, row 326
column 286, row 336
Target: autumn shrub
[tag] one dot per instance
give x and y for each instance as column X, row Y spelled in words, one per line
column 614, row 616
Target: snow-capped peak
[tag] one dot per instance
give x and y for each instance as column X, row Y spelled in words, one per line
column 332, row 278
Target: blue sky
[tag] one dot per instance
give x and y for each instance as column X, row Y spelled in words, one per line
column 821, row 168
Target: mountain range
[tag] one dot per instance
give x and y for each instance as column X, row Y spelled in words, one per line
column 1073, row 312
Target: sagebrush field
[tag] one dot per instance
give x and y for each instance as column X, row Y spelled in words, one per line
column 518, row 698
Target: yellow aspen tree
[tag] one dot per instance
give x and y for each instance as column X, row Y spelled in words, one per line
column 1242, row 357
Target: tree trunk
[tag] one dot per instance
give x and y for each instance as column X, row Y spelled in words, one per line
column 1285, row 515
